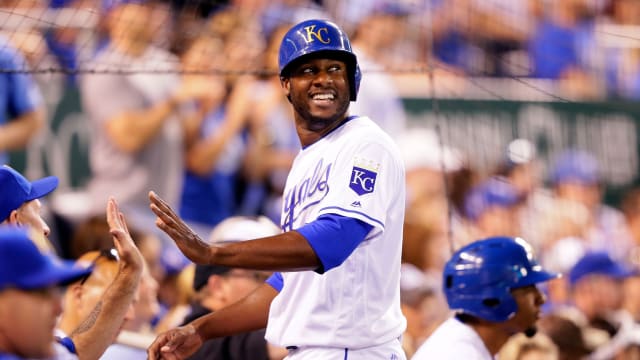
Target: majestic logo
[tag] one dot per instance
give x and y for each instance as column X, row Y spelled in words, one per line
column 363, row 177
column 312, row 33
column 310, row 191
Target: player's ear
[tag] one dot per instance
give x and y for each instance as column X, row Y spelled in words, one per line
column 13, row 218
column 286, row 85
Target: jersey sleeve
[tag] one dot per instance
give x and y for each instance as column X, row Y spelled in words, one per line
column 276, row 281
column 365, row 181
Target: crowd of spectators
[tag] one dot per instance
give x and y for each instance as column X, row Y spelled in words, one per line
column 182, row 98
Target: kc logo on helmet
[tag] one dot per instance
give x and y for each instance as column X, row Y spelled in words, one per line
column 312, row 33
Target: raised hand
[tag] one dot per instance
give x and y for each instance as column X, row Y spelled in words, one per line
column 130, row 256
column 188, row 241
column 175, row 344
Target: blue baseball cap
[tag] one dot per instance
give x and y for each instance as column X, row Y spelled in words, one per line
column 24, row 267
column 493, row 192
column 108, row 5
column 599, row 262
column 395, row 8
column 575, row 166
column 16, row 190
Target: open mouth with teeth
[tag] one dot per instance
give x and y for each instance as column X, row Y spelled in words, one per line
column 323, row 97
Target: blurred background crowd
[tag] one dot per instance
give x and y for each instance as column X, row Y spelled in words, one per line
column 182, row 97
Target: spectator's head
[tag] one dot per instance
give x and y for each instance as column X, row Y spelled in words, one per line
column 568, row 337
column 385, row 25
column 220, row 285
column 575, row 176
column 595, row 274
column 81, row 297
column 495, row 281
column 491, row 207
column 30, row 298
column 129, row 23
column 422, row 303
column 521, row 347
column 427, row 163
column 19, row 199
column 520, row 166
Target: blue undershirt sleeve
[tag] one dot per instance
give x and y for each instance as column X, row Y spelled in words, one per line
column 333, row 238
column 276, row 281
column 67, row 343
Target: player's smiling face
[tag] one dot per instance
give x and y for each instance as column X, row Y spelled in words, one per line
column 319, row 91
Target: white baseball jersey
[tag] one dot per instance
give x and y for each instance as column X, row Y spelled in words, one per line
column 354, row 171
column 453, row 340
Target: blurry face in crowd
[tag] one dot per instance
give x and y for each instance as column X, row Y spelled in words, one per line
column 529, row 299
column 147, row 305
column 131, row 22
column 27, row 320
column 238, row 283
column 499, row 221
column 588, row 195
column 82, row 297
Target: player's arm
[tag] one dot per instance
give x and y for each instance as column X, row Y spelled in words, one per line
column 97, row 331
column 320, row 245
column 250, row 313
column 17, row 133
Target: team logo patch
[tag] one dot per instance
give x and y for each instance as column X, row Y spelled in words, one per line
column 363, row 180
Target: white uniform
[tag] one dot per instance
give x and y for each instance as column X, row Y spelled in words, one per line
column 453, row 340
column 354, row 171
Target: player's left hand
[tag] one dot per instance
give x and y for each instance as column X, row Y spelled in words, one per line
column 188, row 241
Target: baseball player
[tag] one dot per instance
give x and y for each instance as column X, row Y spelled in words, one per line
column 335, row 293
column 491, row 287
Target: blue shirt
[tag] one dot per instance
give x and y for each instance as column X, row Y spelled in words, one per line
column 19, row 93
column 212, row 198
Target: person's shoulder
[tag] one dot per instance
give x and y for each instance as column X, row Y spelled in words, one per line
column 367, row 130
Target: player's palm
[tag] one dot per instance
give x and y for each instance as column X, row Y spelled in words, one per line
column 175, row 344
column 188, row 241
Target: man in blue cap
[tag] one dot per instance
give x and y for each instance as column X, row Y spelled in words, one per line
column 20, row 206
column 19, row 200
column 30, row 295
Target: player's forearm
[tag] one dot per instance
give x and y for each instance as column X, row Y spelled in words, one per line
column 288, row 251
column 131, row 131
column 248, row 314
column 17, row 133
column 100, row 328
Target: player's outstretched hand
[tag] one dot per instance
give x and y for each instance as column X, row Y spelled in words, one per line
column 175, row 344
column 168, row 221
column 130, row 257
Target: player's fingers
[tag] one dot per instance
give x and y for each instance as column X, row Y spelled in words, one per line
column 153, row 351
column 123, row 222
column 160, row 203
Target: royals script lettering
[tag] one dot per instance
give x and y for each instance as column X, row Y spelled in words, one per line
column 308, row 192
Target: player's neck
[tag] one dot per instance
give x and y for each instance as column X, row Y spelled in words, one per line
column 493, row 337
column 310, row 131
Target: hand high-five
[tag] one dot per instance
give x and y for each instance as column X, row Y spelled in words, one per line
column 188, row 241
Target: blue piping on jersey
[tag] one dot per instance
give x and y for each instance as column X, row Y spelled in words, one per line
column 346, row 352
column 354, row 212
column 334, row 129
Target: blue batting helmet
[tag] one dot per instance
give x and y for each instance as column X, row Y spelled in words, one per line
column 319, row 36
column 479, row 277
